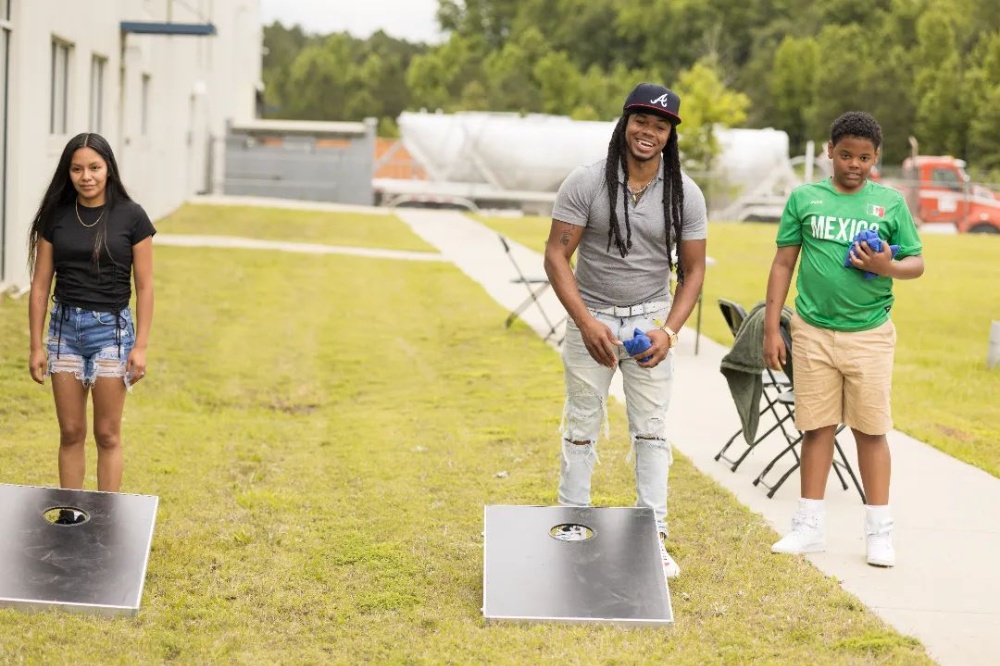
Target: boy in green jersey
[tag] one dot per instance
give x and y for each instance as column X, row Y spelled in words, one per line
column 842, row 338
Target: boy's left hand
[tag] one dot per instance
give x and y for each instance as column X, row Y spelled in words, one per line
column 864, row 258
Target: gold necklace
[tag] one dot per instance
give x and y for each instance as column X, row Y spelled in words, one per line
column 638, row 193
column 80, row 219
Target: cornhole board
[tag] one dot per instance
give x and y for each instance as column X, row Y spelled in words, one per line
column 97, row 566
column 574, row 565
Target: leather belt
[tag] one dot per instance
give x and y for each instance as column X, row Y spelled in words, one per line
column 638, row 310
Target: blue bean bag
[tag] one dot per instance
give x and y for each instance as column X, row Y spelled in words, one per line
column 874, row 242
column 640, row 342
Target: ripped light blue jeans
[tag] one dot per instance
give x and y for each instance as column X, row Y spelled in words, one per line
column 90, row 344
column 647, row 397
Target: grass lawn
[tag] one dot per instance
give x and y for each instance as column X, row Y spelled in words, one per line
column 346, row 229
column 943, row 394
column 323, row 433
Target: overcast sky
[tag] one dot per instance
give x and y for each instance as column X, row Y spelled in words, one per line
column 412, row 20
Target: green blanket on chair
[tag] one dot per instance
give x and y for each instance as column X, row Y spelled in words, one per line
column 743, row 365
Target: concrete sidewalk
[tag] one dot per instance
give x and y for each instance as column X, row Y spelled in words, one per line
column 238, row 243
column 945, row 588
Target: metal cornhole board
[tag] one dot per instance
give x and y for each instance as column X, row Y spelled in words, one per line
column 573, row 564
column 96, row 566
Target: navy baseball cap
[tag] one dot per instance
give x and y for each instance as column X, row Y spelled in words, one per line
column 653, row 98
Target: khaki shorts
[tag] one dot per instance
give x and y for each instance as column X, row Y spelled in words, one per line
column 843, row 377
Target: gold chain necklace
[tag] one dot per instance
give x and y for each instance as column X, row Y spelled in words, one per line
column 638, row 193
column 80, row 219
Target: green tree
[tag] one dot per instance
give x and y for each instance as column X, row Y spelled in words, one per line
column 671, row 33
column 582, row 29
column 891, row 101
column 389, row 85
column 318, row 82
column 793, row 86
column 754, row 76
column 474, row 97
column 842, row 83
column 706, row 105
column 938, row 63
column 800, row 62
column 510, row 73
column 596, row 92
column 850, row 12
column 437, row 78
column 281, row 46
column 489, row 20
column 559, row 83
column 984, row 133
column 981, row 92
column 337, row 77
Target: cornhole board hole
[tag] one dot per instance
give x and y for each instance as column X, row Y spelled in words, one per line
column 573, row 565
column 96, row 566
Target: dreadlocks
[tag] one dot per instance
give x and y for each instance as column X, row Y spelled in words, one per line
column 673, row 194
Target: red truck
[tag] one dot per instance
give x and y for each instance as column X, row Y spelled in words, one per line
column 939, row 194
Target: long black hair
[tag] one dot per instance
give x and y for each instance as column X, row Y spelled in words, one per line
column 673, row 194
column 62, row 193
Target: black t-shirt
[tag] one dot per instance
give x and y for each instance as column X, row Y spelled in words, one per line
column 105, row 285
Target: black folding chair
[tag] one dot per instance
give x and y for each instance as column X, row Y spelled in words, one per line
column 536, row 286
column 775, row 383
column 788, row 400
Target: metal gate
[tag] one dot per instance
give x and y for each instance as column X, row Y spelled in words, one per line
column 313, row 161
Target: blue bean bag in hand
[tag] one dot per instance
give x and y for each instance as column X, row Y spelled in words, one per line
column 639, row 343
column 874, row 242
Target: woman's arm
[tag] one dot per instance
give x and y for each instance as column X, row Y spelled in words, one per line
column 41, row 286
column 142, row 272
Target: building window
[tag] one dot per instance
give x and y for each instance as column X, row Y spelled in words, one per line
column 146, row 85
column 97, row 68
column 60, row 87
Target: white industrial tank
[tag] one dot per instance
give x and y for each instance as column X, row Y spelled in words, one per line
column 535, row 153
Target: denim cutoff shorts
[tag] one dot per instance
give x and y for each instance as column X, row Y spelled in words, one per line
column 89, row 344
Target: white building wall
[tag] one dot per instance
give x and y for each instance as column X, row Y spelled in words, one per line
column 195, row 86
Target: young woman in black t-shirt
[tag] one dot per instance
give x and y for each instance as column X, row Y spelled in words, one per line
column 93, row 239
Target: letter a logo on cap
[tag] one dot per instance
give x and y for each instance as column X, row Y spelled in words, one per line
column 662, row 100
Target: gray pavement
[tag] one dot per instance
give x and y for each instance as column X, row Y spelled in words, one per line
column 945, row 588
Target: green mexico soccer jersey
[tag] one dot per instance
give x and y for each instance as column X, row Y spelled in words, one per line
column 824, row 222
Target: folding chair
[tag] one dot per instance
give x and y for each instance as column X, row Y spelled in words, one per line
column 788, row 400
column 775, row 383
column 534, row 292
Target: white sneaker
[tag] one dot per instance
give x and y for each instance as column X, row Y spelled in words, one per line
column 808, row 535
column 878, row 543
column 670, row 568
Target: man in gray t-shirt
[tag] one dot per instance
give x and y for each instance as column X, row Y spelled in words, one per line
column 629, row 218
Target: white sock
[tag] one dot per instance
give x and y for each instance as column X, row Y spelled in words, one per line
column 812, row 507
column 878, row 513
